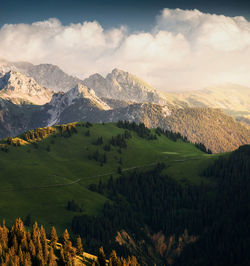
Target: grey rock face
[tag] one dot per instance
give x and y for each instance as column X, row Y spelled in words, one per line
column 20, row 89
column 123, row 86
column 74, row 104
column 47, row 75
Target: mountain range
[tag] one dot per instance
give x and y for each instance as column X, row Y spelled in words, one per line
column 27, row 101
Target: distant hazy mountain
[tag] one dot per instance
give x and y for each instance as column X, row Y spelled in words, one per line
column 47, row 75
column 212, row 127
column 231, row 98
column 216, row 130
column 20, row 89
column 121, row 85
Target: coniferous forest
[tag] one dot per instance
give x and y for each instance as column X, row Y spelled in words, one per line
column 19, row 246
column 202, row 225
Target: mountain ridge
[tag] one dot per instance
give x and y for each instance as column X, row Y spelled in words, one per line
column 47, row 75
column 19, row 89
column 122, row 85
column 123, row 96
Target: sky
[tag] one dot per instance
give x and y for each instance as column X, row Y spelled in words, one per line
column 173, row 45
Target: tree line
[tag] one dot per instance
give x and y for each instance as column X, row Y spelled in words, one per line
column 21, row 247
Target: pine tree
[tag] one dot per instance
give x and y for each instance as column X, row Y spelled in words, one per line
column 32, row 248
column 113, row 260
column 20, row 255
column 39, row 258
column 27, row 260
column 51, row 258
column 35, row 232
column 79, row 247
column 53, row 237
column 101, row 257
column 4, row 236
column 15, row 244
column 134, row 261
column 66, row 237
column 61, row 257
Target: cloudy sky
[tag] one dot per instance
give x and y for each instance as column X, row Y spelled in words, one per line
column 172, row 47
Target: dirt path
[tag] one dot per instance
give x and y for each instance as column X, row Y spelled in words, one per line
column 75, row 181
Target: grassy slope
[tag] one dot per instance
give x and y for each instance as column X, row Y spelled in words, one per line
column 24, row 169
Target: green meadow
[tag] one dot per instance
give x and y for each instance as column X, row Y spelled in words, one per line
column 40, row 179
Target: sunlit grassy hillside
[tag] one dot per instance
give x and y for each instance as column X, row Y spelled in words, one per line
column 40, row 177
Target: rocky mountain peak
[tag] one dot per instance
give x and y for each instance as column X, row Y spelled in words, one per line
column 47, row 75
column 116, row 72
column 81, row 91
column 18, row 88
column 84, row 91
column 121, row 85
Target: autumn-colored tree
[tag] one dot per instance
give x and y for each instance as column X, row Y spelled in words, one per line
column 79, row 248
column 65, row 237
column 15, row 243
column 39, row 258
column 51, row 258
column 35, row 233
column 61, row 257
column 4, row 236
column 1, row 250
column 53, row 237
column 101, row 257
column 20, row 255
column 27, row 260
column 46, row 251
column 32, row 248
column 43, row 235
column 134, row 261
column 113, row 260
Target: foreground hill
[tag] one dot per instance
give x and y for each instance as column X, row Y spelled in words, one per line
column 46, row 173
column 60, row 167
column 142, row 192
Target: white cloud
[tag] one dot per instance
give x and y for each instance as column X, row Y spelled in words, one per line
column 186, row 48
